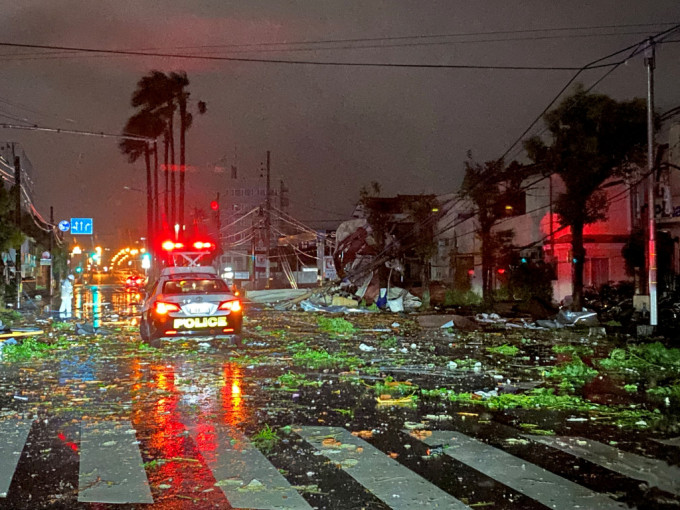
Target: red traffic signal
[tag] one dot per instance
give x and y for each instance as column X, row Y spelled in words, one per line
column 214, row 205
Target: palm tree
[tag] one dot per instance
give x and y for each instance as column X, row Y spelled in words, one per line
column 143, row 124
column 161, row 95
column 155, row 94
column 180, row 82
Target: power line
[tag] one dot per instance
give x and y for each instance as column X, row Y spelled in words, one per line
column 22, row 106
column 14, row 118
column 295, row 62
column 100, row 134
column 635, row 47
column 401, row 38
column 290, row 47
column 427, row 36
column 423, row 44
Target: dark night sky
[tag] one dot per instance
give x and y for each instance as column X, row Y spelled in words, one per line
column 331, row 130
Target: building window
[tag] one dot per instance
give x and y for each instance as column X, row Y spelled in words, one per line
column 598, row 270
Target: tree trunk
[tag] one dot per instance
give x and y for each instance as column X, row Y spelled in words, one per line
column 156, row 192
column 173, row 186
column 166, row 161
column 182, row 152
column 149, row 198
column 579, row 255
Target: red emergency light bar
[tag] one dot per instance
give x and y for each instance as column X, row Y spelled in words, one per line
column 171, row 245
column 197, row 245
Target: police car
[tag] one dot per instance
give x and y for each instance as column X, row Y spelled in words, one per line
column 190, row 301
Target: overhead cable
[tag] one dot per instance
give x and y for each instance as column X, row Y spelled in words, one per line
column 296, row 62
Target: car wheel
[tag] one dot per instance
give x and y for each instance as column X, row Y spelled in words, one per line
column 144, row 330
column 148, row 334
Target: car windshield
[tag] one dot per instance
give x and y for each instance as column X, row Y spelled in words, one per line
column 190, row 286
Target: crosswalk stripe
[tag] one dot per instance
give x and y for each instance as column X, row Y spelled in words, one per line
column 545, row 487
column 111, row 468
column 13, row 434
column 656, row 473
column 246, row 477
column 394, row 484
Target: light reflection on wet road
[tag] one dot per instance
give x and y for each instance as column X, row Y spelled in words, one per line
column 98, row 303
column 191, row 410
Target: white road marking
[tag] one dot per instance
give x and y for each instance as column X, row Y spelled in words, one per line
column 246, row 477
column 656, row 473
column 111, row 468
column 545, row 487
column 13, row 434
column 394, row 484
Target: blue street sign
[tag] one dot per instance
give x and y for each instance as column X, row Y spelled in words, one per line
column 64, row 225
column 82, row 226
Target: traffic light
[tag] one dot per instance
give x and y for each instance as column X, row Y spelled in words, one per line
column 79, row 269
column 215, row 205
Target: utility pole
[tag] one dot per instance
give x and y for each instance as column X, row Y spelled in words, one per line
column 267, row 222
column 651, row 186
column 17, row 219
column 218, row 224
column 49, row 282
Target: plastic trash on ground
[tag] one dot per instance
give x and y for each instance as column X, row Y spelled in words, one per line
column 584, row 318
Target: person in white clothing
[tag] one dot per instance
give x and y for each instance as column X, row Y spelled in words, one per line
column 66, row 297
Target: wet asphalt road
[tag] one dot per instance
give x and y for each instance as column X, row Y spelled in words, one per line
column 111, row 423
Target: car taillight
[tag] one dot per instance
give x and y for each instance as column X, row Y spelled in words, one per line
column 162, row 308
column 234, row 305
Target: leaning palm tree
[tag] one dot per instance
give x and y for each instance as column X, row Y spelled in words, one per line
column 143, row 124
column 180, row 83
column 155, row 93
column 161, row 95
